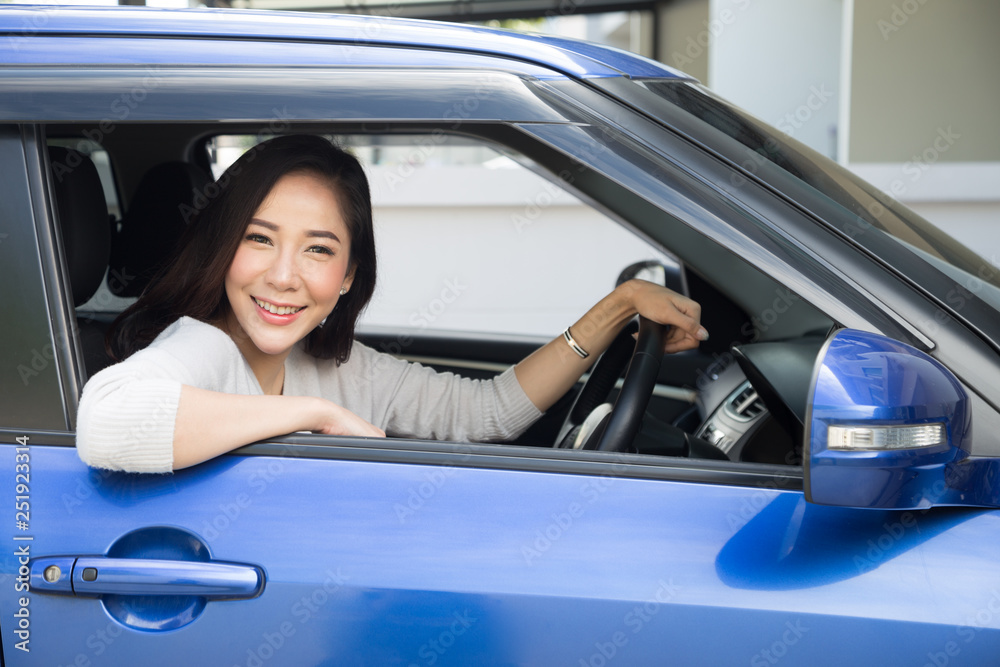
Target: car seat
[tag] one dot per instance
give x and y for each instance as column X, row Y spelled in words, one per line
column 86, row 237
column 168, row 197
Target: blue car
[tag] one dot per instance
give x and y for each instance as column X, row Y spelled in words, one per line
column 816, row 484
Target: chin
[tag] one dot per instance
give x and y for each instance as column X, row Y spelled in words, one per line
column 274, row 346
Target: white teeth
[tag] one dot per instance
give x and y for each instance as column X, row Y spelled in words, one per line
column 277, row 310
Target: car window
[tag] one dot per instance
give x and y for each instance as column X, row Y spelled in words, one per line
column 472, row 238
column 103, row 300
column 99, row 156
column 485, row 251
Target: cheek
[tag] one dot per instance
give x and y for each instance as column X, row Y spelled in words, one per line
column 241, row 271
column 324, row 283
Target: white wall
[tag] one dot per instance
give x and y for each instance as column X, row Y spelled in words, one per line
column 780, row 60
column 502, row 250
column 962, row 198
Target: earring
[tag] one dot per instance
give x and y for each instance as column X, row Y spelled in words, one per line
column 343, row 291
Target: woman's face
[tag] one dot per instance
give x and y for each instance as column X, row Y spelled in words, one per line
column 290, row 266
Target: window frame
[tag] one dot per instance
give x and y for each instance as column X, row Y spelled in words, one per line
column 517, row 136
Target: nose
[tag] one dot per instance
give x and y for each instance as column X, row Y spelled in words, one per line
column 283, row 273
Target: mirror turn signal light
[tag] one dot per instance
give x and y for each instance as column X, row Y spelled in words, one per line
column 881, row 438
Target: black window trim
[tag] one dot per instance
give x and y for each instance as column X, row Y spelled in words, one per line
column 491, row 457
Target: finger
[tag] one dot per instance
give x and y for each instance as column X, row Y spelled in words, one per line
column 685, row 316
column 686, row 344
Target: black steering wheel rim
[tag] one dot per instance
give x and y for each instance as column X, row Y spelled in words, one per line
column 617, row 431
column 643, row 369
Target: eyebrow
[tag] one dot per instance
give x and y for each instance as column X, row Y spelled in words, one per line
column 312, row 233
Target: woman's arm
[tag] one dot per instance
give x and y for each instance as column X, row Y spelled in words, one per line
column 210, row 423
column 552, row 370
column 188, row 398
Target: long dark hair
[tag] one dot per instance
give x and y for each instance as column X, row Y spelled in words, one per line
column 193, row 282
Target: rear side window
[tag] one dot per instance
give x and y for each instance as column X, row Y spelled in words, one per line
column 103, row 300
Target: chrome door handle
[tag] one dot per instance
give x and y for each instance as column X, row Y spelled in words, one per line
column 96, row 575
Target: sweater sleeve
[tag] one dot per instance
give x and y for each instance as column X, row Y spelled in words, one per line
column 127, row 414
column 412, row 400
column 128, row 411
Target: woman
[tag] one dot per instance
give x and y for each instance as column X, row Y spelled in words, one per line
column 249, row 332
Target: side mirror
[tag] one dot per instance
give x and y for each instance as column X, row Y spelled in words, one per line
column 889, row 427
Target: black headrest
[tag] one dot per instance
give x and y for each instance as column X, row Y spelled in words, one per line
column 167, row 198
column 83, row 219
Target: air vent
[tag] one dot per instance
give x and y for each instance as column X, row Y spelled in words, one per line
column 745, row 404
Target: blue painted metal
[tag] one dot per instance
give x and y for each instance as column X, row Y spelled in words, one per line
column 573, row 58
column 867, row 379
column 402, row 564
column 78, row 50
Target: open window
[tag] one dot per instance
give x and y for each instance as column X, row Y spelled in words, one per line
column 489, row 243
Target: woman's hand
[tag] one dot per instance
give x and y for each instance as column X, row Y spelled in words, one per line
column 665, row 306
column 332, row 419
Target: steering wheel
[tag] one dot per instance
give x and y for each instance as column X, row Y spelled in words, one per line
column 590, row 423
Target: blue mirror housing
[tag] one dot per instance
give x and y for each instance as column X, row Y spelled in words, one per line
column 887, row 427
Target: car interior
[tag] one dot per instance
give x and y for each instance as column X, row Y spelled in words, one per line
column 123, row 202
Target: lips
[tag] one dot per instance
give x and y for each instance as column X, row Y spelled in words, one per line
column 277, row 314
column 276, row 309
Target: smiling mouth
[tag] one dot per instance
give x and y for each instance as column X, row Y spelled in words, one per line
column 277, row 310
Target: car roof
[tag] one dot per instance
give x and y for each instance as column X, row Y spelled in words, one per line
column 571, row 57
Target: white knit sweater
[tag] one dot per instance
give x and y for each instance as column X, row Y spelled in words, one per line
column 127, row 411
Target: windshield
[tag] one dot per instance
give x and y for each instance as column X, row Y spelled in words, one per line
column 871, row 207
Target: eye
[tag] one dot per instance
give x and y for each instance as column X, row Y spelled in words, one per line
column 321, row 249
column 258, row 238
